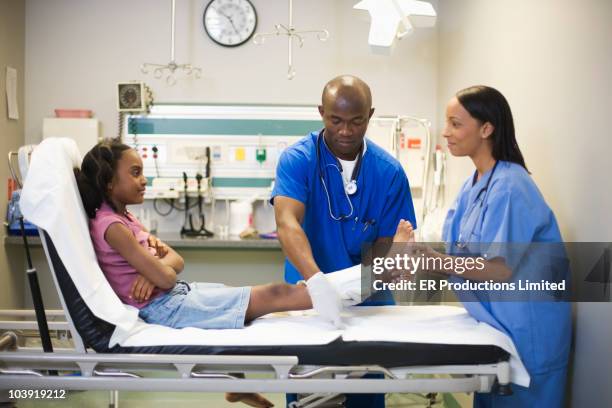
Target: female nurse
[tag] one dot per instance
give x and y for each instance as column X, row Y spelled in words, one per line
column 500, row 203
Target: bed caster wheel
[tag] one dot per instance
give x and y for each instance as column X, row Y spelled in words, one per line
column 431, row 399
column 504, row 389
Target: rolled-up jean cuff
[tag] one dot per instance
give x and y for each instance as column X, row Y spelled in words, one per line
column 245, row 296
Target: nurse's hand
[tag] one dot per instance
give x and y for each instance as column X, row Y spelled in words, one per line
column 325, row 299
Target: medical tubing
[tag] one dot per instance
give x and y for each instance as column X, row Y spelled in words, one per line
column 120, row 124
column 186, row 203
column 178, row 208
column 158, row 211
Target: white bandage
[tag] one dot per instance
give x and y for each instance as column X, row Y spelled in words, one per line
column 325, row 298
column 348, row 284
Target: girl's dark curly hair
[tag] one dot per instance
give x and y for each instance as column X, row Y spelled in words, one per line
column 96, row 172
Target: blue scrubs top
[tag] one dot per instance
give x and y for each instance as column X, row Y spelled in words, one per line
column 382, row 199
column 514, row 211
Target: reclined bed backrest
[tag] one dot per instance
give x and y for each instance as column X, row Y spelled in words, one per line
column 92, row 331
column 50, row 199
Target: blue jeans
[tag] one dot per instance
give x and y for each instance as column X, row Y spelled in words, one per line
column 201, row 305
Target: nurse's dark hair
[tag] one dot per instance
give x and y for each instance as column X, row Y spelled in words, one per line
column 96, row 172
column 487, row 104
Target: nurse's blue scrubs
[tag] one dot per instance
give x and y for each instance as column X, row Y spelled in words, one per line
column 382, row 199
column 512, row 210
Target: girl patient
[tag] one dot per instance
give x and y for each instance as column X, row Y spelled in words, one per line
column 143, row 271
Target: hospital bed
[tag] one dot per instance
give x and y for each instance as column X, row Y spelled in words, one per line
column 114, row 350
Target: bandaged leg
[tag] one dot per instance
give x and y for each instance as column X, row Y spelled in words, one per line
column 348, row 283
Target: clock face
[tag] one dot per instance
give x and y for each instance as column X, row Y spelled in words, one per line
column 130, row 97
column 230, row 22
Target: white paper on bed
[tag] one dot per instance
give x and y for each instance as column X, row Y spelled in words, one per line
column 406, row 324
column 278, row 329
column 432, row 325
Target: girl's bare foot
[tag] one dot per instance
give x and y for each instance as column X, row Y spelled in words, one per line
column 404, row 232
column 250, row 399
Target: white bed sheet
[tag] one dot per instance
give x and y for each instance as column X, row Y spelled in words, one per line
column 407, row 324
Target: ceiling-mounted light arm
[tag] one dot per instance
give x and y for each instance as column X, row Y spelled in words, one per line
column 173, row 30
column 395, row 19
column 408, row 28
column 160, row 69
column 291, row 33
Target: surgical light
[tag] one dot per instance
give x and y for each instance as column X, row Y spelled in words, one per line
column 395, row 19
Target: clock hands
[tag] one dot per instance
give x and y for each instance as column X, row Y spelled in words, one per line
column 230, row 20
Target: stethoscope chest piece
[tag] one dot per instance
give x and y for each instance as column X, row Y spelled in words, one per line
column 351, row 187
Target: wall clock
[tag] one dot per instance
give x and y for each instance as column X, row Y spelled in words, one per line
column 230, row 23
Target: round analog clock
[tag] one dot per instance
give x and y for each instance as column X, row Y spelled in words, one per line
column 131, row 97
column 230, row 22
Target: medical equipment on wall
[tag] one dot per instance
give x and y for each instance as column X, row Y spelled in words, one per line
column 245, row 143
column 434, row 209
column 395, row 19
column 15, row 223
column 291, row 33
column 188, row 227
column 132, row 97
column 172, row 66
column 426, row 171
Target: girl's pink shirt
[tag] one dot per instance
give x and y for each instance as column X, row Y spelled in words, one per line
column 119, row 273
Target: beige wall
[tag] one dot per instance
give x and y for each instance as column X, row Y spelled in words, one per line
column 12, row 43
column 77, row 50
column 552, row 59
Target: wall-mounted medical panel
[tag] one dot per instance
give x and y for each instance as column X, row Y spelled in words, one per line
column 243, row 144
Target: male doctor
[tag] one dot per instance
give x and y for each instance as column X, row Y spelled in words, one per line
column 334, row 192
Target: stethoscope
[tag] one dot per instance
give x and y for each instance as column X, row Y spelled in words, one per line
column 461, row 243
column 350, row 188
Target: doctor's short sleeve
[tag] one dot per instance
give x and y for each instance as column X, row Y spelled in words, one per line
column 291, row 176
column 398, row 205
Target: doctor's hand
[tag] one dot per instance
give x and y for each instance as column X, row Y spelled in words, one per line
column 141, row 289
column 325, row 298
